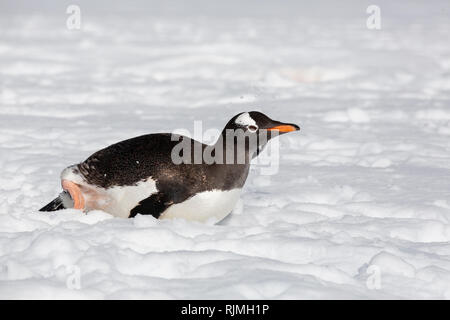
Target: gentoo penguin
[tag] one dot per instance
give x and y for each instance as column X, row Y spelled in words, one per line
column 160, row 174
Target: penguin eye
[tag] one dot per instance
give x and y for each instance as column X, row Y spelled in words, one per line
column 252, row 128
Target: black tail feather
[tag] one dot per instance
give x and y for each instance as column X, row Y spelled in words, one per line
column 60, row 202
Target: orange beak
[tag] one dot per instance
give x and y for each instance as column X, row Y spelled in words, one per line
column 285, row 128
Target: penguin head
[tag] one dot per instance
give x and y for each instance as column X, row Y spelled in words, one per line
column 257, row 128
column 255, row 121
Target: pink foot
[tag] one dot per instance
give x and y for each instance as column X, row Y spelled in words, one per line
column 75, row 193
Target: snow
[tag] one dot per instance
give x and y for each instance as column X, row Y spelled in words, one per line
column 359, row 207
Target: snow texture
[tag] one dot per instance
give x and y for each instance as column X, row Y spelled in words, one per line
column 359, row 207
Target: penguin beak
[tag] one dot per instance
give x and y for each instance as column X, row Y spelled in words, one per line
column 284, row 127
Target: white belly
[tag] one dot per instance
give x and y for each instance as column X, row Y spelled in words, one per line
column 214, row 205
column 118, row 201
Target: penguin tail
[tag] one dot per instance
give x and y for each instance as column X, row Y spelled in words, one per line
column 63, row 201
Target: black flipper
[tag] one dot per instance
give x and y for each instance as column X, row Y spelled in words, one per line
column 153, row 205
column 63, row 201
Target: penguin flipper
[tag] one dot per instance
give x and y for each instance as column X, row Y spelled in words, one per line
column 153, row 205
column 63, row 201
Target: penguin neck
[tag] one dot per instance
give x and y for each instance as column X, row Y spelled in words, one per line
column 234, row 149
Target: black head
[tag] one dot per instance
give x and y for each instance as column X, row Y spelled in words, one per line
column 254, row 121
column 255, row 129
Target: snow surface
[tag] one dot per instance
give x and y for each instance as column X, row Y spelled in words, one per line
column 362, row 191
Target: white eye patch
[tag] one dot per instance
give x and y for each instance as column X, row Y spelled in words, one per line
column 245, row 120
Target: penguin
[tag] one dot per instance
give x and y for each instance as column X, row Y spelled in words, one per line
column 160, row 174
